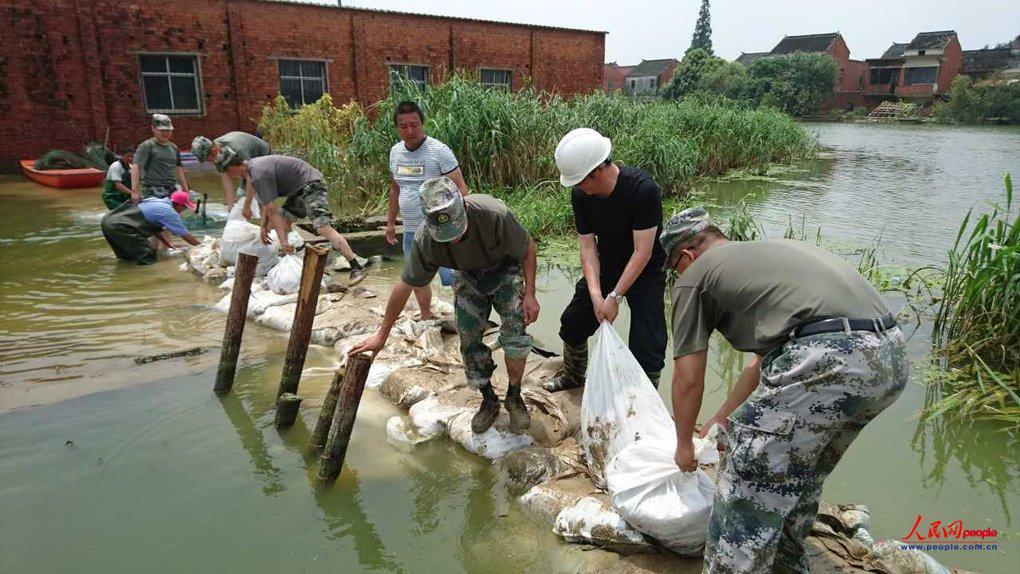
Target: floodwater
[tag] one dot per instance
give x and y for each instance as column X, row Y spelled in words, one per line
column 107, row 465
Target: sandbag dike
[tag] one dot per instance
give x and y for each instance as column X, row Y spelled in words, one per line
column 420, row 370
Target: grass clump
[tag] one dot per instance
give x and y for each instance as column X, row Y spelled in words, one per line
column 977, row 323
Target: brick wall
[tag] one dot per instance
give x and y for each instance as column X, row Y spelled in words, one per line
column 66, row 76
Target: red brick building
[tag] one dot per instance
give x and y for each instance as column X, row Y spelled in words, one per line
column 613, row 77
column 918, row 70
column 75, row 70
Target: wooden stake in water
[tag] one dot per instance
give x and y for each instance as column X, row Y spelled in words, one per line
column 244, row 273
column 304, row 316
column 349, row 397
column 321, row 431
column 287, row 406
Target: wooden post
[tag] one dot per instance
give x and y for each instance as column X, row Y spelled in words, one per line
column 287, row 409
column 304, row 316
column 243, row 276
column 321, row 431
column 343, row 418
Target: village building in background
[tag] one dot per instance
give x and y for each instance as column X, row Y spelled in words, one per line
column 68, row 76
column 645, row 79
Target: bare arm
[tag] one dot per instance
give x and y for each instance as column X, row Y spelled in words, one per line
column 458, row 178
column 191, row 239
column 391, row 213
column 122, row 188
column 136, row 182
column 688, row 387
column 398, row 298
column 530, row 303
column 164, row 237
column 644, row 241
column 180, row 178
column 748, row 381
column 228, row 189
column 590, row 268
column 249, row 196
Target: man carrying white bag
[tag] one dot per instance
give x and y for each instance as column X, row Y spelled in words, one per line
column 629, row 440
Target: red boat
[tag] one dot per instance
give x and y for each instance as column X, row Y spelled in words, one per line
column 63, row 178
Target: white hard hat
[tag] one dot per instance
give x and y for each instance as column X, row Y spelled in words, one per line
column 579, row 152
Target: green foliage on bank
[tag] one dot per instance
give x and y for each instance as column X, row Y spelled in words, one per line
column 797, row 84
column 504, row 140
column 975, row 103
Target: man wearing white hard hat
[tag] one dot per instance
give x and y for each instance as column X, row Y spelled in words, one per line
column 618, row 215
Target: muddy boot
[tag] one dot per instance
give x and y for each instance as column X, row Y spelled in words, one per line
column 520, row 420
column 487, row 413
column 654, row 378
column 575, row 363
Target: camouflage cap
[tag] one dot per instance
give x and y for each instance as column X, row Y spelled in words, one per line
column 200, row 147
column 225, row 158
column 443, row 206
column 162, row 122
column 683, row 226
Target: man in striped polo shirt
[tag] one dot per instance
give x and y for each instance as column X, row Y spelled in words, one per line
column 413, row 160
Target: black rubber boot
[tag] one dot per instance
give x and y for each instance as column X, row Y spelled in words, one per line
column 575, row 364
column 487, row 412
column 520, row 420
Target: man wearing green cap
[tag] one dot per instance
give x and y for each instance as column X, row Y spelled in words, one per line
column 245, row 145
column 828, row 358
column 157, row 168
column 495, row 261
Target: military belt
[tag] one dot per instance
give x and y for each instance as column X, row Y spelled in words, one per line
column 844, row 324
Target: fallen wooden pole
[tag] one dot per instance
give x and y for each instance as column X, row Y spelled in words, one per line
column 243, row 276
column 287, row 406
column 304, row 316
column 321, row 431
column 349, row 397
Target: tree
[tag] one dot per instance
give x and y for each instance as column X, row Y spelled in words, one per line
column 798, row 84
column 690, row 73
column 702, row 37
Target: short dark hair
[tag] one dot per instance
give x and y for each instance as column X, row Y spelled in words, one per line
column 125, row 149
column 408, row 107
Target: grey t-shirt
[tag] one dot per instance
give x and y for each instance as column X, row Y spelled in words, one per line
column 158, row 164
column 756, row 292
column 410, row 168
column 246, row 145
column 494, row 238
column 274, row 176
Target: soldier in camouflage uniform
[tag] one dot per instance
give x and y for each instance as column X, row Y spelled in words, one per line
column 495, row 262
column 828, row 358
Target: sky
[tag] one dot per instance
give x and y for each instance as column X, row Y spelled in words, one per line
column 645, row 29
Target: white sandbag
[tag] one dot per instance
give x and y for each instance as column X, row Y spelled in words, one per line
column 591, row 521
column 278, row 317
column 377, row 374
column 243, row 237
column 491, row 444
column 293, row 238
column 402, row 435
column 629, row 439
column 430, row 418
column 285, row 277
column 236, row 215
column 228, row 284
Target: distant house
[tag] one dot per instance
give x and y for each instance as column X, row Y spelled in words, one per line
column 649, row 77
column 614, row 76
column 849, row 89
column 1003, row 62
column 918, row 70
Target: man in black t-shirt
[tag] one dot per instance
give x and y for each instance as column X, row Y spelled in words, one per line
column 618, row 213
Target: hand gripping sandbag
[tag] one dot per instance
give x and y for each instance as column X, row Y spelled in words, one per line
column 629, row 439
column 285, row 277
column 236, row 215
column 239, row 236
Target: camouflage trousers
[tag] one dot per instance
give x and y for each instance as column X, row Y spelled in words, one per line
column 475, row 294
column 310, row 202
column 816, row 394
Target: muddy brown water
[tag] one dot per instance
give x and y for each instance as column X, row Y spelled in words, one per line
column 107, row 465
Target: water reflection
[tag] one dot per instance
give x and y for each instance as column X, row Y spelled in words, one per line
column 253, row 443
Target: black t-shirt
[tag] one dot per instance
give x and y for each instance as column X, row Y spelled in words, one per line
column 635, row 204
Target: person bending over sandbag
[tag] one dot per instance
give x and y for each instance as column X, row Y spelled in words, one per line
column 246, row 145
column 129, row 227
column 495, row 260
column 272, row 176
column 828, row 358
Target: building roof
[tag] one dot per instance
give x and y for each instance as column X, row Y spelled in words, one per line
column 421, row 15
column 931, row 40
column 652, row 67
column 808, row 44
column 894, row 51
column 988, row 61
column 746, row 58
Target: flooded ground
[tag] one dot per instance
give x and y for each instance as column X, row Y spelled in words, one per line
column 157, row 473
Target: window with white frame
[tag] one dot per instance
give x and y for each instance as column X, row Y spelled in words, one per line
column 170, row 83
column 494, row 78
column 302, row 81
column 409, row 72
